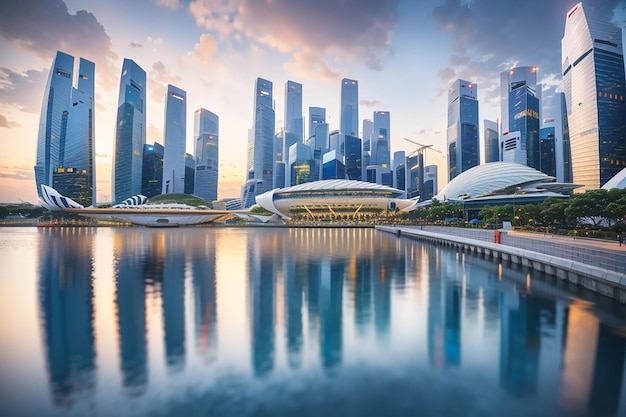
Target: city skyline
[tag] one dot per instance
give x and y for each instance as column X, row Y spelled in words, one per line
column 216, row 52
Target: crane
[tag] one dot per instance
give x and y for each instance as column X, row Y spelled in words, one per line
column 420, row 164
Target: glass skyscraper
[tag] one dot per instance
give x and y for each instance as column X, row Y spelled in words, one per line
column 130, row 132
column 206, row 133
column 260, row 179
column 349, row 107
column 174, row 140
column 352, row 158
column 511, row 80
column 593, row 83
column 524, row 118
column 547, row 160
column 293, row 110
column 490, row 137
column 152, row 170
column 65, row 145
column 380, row 143
column 317, row 116
column 462, row 132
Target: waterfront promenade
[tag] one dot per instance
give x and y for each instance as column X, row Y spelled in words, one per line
column 597, row 265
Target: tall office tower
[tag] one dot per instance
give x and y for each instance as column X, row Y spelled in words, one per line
column 567, row 149
column 318, row 142
column 490, row 137
column 190, row 174
column 412, row 176
column 65, row 145
column 352, row 158
column 317, row 116
column 152, row 170
column 349, row 107
column 511, row 80
column 279, row 161
column 524, row 118
column 294, row 123
column 335, row 142
column 593, row 83
column 463, row 146
column 430, row 186
column 299, row 169
column 261, row 178
column 174, row 140
column 380, row 141
column 368, row 128
column 547, row 160
column 53, row 119
column 130, row 132
column 206, row 132
column 399, row 170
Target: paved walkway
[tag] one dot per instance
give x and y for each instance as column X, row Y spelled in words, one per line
column 595, row 252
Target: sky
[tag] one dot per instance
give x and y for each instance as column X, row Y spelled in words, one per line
column 405, row 54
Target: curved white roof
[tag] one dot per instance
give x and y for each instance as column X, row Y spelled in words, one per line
column 489, row 178
column 618, row 181
column 338, row 185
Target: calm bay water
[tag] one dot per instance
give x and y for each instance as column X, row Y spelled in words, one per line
column 282, row 322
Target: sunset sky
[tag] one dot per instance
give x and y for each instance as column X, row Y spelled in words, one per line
column 404, row 53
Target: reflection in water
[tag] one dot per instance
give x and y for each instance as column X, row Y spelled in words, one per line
column 66, row 311
column 305, row 295
column 133, row 262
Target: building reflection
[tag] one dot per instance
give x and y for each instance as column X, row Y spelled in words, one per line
column 261, row 301
column 593, row 364
column 132, row 263
column 444, row 311
column 294, row 272
column 173, row 293
column 331, row 314
column 66, row 310
column 205, row 300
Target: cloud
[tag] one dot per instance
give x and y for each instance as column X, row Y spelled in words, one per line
column 168, row 4
column 135, row 45
column 159, row 78
column 21, row 173
column 204, row 50
column 369, row 103
column 23, row 90
column 42, row 27
column 489, row 38
column 154, row 134
column 315, row 33
column 6, row 123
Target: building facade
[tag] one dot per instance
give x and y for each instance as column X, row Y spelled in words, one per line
column 294, row 122
column 152, row 170
column 491, row 142
column 593, row 82
column 206, row 133
column 524, row 117
column 349, row 119
column 65, row 144
column 380, row 144
column 174, row 138
column 130, row 132
column 317, row 116
column 462, row 132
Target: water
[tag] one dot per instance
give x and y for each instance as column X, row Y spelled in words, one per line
column 292, row 322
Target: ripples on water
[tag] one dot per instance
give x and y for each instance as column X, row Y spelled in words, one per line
column 281, row 322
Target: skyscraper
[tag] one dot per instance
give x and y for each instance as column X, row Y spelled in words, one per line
column 260, row 179
column 152, row 170
column 462, row 133
column 317, row 115
column 380, row 144
column 65, row 145
column 190, row 174
column 206, row 133
column 547, row 160
column 349, row 107
column 524, row 118
column 511, row 80
column 490, row 137
column 593, row 83
column 174, row 140
column 130, row 132
column 293, row 110
column 352, row 158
